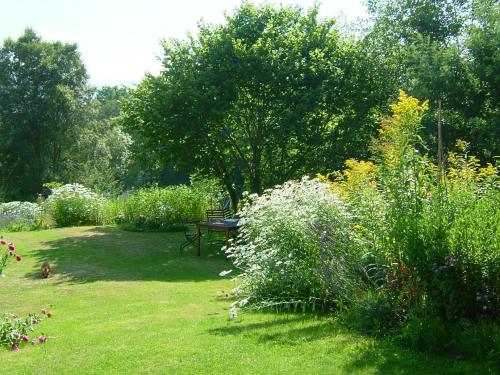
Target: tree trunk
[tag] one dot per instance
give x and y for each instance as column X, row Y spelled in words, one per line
column 235, row 199
column 256, row 171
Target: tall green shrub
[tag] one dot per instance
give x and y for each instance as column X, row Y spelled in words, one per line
column 158, row 208
column 434, row 254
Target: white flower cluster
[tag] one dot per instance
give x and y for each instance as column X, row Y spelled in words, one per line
column 281, row 246
column 20, row 210
column 72, row 190
column 73, row 204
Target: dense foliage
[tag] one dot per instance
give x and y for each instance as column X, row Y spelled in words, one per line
column 54, row 126
column 164, row 208
column 401, row 240
column 267, row 96
column 447, row 51
column 435, row 255
column 41, row 87
column 401, row 243
column 295, row 247
column 143, row 209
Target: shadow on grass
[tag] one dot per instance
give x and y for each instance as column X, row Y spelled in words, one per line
column 108, row 253
column 359, row 353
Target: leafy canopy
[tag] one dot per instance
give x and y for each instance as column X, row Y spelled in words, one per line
column 255, row 101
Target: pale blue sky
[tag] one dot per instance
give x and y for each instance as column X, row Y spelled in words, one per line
column 120, row 39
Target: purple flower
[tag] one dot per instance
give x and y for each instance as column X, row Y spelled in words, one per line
column 15, row 347
column 3, row 242
column 12, row 246
column 42, row 339
column 16, row 335
column 25, row 338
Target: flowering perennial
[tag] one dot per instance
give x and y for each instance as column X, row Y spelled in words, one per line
column 293, row 246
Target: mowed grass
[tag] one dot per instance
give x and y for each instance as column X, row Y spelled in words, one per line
column 130, row 303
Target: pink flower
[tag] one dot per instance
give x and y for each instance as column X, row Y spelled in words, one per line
column 11, row 253
column 17, row 335
column 18, row 258
column 15, row 347
column 42, row 339
column 12, row 247
column 3, row 242
column 25, row 338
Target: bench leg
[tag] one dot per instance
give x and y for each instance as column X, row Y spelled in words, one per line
column 198, row 240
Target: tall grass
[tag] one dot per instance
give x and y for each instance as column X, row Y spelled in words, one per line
column 163, row 208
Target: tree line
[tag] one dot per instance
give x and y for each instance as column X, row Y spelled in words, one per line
column 271, row 94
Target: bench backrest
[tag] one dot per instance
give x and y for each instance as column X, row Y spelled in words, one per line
column 218, row 214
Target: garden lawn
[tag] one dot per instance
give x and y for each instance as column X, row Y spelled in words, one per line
column 130, row 303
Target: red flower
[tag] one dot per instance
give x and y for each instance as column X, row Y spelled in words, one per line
column 12, row 246
column 18, row 258
column 49, row 315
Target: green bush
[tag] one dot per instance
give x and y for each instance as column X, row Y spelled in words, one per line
column 433, row 242
column 72, row 205
column 110, row 211
column 158, row 208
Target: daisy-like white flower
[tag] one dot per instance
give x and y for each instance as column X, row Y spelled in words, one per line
column 233, row 313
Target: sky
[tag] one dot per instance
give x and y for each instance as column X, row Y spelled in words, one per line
column 119, row 40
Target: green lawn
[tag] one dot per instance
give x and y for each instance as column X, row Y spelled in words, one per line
column 130, row 303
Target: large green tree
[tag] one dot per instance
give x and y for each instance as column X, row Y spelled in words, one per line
column 41, row 89
column 444, row 51
column 99, row 154
column 271, row 94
